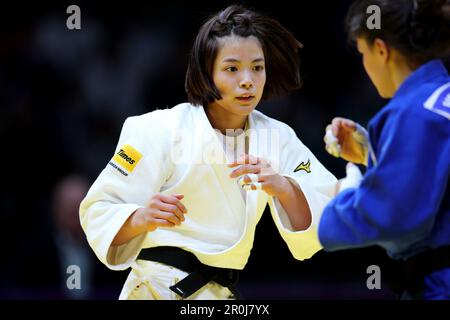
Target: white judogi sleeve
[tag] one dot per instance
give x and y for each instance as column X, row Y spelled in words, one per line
column 302, row 168
column 133, row 175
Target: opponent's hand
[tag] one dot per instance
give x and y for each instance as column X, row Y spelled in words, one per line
column 162, row 211
column 256, row 173
column 346, row 139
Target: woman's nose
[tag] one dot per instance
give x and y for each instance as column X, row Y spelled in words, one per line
column 246, row 83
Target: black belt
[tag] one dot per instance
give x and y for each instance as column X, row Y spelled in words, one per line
column 429, row 261
column 411, row 272
column 199, row 273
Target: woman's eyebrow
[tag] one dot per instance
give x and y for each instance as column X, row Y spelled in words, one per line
column 258, row 60
column 237, row 60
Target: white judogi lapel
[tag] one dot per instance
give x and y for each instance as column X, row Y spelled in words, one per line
column 214, row 156
column 255, row 199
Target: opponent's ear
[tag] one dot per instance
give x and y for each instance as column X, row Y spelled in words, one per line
column 381, row 49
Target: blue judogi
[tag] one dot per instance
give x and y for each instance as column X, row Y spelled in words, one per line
column 403, row 202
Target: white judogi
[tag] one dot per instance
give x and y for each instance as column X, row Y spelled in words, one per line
column 177, row 151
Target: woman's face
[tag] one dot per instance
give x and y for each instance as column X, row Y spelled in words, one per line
column 375, row 63
column 239, row 74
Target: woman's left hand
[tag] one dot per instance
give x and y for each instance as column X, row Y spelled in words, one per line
column 266, row 178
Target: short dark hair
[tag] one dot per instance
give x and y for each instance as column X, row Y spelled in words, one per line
column 419, row 29
column 279, row 46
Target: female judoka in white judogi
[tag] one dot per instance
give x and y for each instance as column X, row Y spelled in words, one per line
column 180, row 199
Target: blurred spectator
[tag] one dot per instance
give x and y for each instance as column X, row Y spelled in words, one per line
column 72, row 248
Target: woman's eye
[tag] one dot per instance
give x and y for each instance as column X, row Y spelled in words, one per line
column 231, row 69
column 259, row 68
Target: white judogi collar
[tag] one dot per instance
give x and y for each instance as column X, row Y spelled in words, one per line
column 253, row 198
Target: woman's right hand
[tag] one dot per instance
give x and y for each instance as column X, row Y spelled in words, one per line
column 351, row 138
column 162, row 211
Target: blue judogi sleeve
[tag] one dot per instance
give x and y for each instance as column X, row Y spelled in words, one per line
column 397, row 201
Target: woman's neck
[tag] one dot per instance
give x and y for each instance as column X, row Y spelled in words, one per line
column 222, row 120
column 400, row 70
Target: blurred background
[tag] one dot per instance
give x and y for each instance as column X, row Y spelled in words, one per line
column 64, row 95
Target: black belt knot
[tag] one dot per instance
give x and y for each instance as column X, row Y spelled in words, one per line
column 199, row 273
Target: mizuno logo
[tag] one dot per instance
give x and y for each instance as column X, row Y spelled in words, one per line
column 304, row 166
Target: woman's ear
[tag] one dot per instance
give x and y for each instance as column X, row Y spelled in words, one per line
column 381, row 49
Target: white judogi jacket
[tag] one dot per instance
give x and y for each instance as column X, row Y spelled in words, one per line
column 177, row 151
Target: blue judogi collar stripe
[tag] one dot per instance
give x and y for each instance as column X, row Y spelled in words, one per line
column 443, row 102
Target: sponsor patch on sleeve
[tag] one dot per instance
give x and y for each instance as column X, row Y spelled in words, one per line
column 439, row 101
column 126, row 159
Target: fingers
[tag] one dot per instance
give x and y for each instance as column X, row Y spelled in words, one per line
column 338, row 124
column 333, row 149
column 329, row 137
column 245, row 159
column 249, row 169
column 251, row 177
column 335, row 125
column 253, row 186
column 163, row 223
column 250, row 159
column 349, row 124
column 155, row 218
column 168, row 208
column 263, row 183
column 245, row 168
column 332, row 145
column 172, row 209
column 251, row 182
column 248, row 179
column 174, row 199
column 168, row 216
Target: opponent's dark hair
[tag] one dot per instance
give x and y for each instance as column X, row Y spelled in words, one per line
column 279, row 46
column 419, row 29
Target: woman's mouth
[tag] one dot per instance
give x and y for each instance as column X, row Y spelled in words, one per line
column 245, row 99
